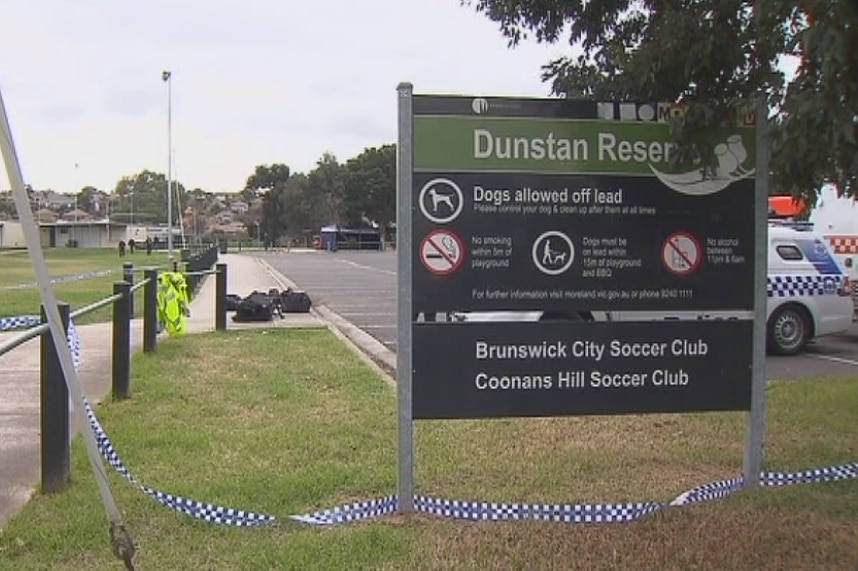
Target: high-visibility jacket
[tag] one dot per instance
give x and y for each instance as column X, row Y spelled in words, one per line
column 173, row 305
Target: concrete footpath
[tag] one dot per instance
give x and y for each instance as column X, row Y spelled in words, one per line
column 19, row 372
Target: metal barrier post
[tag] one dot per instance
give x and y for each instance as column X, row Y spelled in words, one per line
column 54, row 411
column 220, row 298
column 150, row 311
column 128, row 276
column 121, row 341
column 192, row 280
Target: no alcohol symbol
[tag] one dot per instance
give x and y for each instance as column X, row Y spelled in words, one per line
column 681, row 253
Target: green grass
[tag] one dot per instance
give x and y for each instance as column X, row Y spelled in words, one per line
column 16, row 268
column 287, row 422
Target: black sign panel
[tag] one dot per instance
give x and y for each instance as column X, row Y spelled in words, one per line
column 485, row 241
column 479, row 370
column 561, row 206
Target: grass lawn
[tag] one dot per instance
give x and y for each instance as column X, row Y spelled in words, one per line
column 17, row 269
column 288, row 422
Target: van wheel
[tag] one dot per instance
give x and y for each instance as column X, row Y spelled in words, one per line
column 788, row 331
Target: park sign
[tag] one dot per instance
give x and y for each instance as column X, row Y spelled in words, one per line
column 520, row 207
column 549, row 204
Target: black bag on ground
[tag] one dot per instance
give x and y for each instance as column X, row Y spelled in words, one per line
column 232, row 301
column 255, row 307
column 295, row 301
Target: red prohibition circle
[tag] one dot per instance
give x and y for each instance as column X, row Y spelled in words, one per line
column 670, row 248
column 433, row 240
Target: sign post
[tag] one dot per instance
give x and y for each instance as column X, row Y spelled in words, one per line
column 404, row 202
column 756, row 416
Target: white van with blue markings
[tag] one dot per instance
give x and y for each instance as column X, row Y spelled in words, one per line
column 808, row 292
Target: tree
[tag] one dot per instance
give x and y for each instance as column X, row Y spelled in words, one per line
column 269, row 182
column 252, row 220
column 87, row 200
column 325, row 191
column 145, row 195
column 298, row 205
column 274, row 222
column 264, row 177
column 370, row 187
column 710, row 55
column 7, row 206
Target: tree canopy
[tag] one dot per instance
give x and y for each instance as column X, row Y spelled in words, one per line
column 145, row 196
column 265, row 177
column 269, row 182
column 712, row 55
column 370, row 186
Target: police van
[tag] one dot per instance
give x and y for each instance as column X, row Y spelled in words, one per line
column 808, row 292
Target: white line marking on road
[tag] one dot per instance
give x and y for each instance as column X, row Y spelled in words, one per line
column 370, row 268
column 363, row 314
column 349, row 306
column 835, row 359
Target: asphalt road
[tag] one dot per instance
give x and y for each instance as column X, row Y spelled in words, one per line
column 361, row 287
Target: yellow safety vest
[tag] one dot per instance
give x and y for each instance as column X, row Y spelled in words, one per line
column 173, row 306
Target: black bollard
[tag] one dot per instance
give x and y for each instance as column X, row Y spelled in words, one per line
column 54, row 411
column 128, row 276
column 150, row 311
column 121, row 341
column 220, row 297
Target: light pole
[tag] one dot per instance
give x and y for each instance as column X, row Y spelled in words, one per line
column 76, row 190
column 166, row 76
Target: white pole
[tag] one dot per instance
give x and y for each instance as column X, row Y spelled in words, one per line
column 76, row 189
column 167, row 76
column 180, row 213
column 55, row 324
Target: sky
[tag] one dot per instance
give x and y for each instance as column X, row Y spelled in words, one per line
column 253, row 82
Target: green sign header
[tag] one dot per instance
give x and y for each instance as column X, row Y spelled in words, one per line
column 549, row 145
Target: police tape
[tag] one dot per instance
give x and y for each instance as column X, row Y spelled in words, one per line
column 453, row 509
column 62, row 279
column 467, row 510
column 19, row 322
column 28, row 321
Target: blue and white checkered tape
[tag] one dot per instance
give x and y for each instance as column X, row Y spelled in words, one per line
column 468, row 510
column 803, row 285
column 562, row 513
column 19, row 322
column 28, row 321
column 62, row 279
column 456, row 509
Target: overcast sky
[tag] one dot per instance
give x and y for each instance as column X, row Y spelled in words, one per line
column 256, row 81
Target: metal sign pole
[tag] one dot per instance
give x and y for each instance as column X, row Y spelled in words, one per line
column 404, row 199
column 756, row 417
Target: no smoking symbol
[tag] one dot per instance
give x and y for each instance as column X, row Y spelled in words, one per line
column 681, row 253
column 442, row 252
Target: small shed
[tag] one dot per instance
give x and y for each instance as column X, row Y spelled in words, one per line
column 336, row 238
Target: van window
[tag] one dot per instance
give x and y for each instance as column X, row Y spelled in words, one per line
column 789, row 252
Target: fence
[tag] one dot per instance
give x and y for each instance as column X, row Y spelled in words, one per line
column 54, row 394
